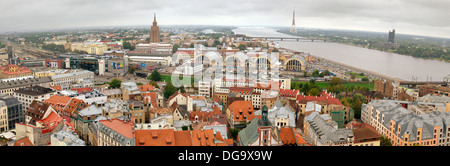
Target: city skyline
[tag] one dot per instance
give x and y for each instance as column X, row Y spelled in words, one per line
column 428, row 18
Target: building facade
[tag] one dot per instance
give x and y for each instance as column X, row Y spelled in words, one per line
column 29, row 94
column 16, row 114
column 404, row 127
column 155, row 36
column 116, row 132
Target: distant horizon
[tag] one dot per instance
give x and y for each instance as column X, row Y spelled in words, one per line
column 237, row 26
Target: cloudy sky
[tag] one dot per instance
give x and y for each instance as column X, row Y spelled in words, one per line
column 420, row 17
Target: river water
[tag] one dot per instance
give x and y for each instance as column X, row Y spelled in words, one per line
column 390, row 64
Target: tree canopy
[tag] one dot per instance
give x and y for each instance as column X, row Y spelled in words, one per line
column 155, row 76
column 169, row 90
column 115, row 83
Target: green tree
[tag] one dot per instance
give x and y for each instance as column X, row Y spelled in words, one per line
column 131, row 69
column 175, row 48
column 356, row 106
column 242, row 47
column 127, row 45
column 325, row 73
column 169, row 90
column 155, row 76
column 275, row 50
column 182, row 89
column 385, row 141
column 115, row 83
column 335, row 81
column 153, row 83
column 315, row 73
column 314, row 92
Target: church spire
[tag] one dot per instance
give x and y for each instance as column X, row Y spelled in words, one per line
column 264, row 121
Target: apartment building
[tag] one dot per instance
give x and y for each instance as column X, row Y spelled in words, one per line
column 28, row 94
column 9, row 86
column 204, row 88
column 323, row 131
column 92, row 48
column 76, row 76
column 116, row 132
column 3, row 117
column 405, row 127
column 15, row 113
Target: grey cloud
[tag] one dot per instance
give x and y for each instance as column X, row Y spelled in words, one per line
column 32, row 14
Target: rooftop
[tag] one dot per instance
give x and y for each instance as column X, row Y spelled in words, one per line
column 34, row 90
column 24, row 82
column 124, row 128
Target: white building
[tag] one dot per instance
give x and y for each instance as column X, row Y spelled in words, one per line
column 204, row 88
column 91, row 97
column 64, row 138
column 3, row 117
column 28, row 94
column 76, row 76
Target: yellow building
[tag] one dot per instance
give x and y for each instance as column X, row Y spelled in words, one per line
column 50, row 73
column 11, row 71
column 96, row 48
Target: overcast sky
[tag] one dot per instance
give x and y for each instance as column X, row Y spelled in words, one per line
column 420, row 17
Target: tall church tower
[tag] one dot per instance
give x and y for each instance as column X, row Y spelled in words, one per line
column 154, row 32
column 265, row 128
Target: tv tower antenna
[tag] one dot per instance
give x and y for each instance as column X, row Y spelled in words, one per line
column 293, row 27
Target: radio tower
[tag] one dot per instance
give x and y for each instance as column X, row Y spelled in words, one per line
column 293, row 27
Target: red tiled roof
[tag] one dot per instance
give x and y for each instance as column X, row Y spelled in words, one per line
column 203, row 116
column 81, row 90
column 20, row 70
column 36, row 111
column 289, row 92
column 183, row 138
column 198, row 97
column 300, row 139
column 190, row 52
column 366, row 131
column 326, row 97
column 50, row 122
column 161, row 137
column 121, row 127
column 241, row 110
column 58, row 102
column 287, row 136
column 147, row 87
column 203, row 138
column 151, row 97
column 74, row 106
column 242, row 90
column 23, row 142
column 56, row 87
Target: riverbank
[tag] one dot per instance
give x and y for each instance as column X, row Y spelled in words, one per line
column 349, row 67
column 381, row 48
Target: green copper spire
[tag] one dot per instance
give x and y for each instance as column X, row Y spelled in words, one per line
column 264, row 121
